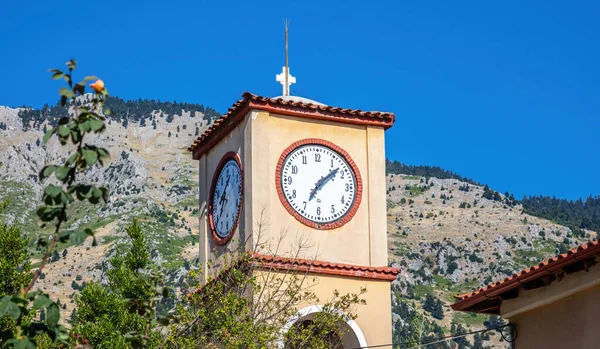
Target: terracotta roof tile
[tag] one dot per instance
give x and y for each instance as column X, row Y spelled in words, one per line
column 548, row 267
column 249, row 101
column 321, row 267
column 262, row 261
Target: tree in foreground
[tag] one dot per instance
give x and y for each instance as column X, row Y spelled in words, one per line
column 250, row 305
column 121, row 314
column 15, row 271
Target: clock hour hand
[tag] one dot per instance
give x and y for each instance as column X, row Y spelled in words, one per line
column 321, row 182
column 223, row 196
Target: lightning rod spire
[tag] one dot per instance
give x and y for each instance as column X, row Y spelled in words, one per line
column 285, row 78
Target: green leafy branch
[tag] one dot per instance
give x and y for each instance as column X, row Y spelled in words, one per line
column 57, row 198
column 18, row 310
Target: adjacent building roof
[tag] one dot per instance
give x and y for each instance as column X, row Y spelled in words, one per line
column 489, row 299
column 300, row 107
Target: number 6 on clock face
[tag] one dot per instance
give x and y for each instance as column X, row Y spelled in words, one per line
column 318, row 183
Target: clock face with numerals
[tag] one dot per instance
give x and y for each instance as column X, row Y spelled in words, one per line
column 318, row 183
column 225, row 199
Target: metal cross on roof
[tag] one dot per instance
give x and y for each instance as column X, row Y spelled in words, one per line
column 285, row 81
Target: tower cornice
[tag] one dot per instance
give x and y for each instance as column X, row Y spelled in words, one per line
column 226, row 123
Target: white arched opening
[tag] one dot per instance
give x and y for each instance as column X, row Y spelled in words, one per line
column 354, row 338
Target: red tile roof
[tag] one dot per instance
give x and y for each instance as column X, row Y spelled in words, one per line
column 239, row 109
column 321, row 267
column 269, row 262
column 469, row 301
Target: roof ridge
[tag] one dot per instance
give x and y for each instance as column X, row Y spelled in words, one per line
column 590, row 247
column 238, row 110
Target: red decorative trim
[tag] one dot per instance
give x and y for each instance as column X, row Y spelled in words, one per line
column 220, row 240
column 359, row 187
column 325, row 268
column 239, row 109
column 551, row 266
column 269, row 262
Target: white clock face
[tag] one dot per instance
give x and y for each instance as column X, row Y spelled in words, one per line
column 226, row 199
column 318, row 183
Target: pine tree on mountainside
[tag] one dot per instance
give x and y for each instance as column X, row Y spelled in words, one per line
column 438, row 311
column 462, row 342
column 107, row 313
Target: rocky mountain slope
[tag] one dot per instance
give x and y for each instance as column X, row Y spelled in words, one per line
column 151, row 178
column 448, row 236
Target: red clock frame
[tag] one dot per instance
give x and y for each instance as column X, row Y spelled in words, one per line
column 211, row 223
column 359, row 186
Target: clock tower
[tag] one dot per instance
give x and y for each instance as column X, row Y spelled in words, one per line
column 315, row 171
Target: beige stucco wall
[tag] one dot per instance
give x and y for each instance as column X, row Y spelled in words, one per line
column 572, row 322
column 374, row 319
column 563, row 314
column 237, row 141
column 361, row 241
column 260, row 140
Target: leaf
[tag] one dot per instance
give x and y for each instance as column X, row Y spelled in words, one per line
column 41, row 242
column 31, row 295
column 105, row 193
column 53, row 190
column 88, row 78
column 83, row 191
column 64, row 236
column 52, row 315
column 62, row 172
column 47, row 213
column 78, row 237
column 55, row 195
column 47, row 171
column 96, row 125
column 71, row 64
column 108, row 111
column 66, row 92
column 49, row 134
column 97, row 194
column 64, row 121
column 57, row 76
column 85, row 126
column 23, row 343
column 90, row 156
column 63, row 130
column 42, row 302
column 71, row 160
column 12, row 309
column 104, row 156
column 4, row 302
column 75, row 136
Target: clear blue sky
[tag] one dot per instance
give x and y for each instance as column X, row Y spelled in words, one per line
column 505, row 93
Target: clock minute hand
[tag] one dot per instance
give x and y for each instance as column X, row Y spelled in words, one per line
column 321, row 182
